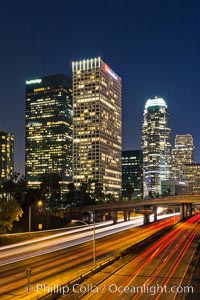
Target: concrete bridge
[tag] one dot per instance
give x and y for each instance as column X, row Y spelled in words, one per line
column 147, row 207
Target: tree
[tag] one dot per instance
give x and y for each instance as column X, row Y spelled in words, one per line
column 51, row 189
column 10, row 211
column 151, row 194
column 16, row 187
column 31, row 196
column 71, row 195
column 110, row 198
column 168, row 191
column 98, row 192
column 129, row 191
column 21, row 190
column 9, row 187
column 83, row 191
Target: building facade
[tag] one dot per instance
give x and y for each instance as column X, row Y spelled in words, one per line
column 132, row 173
column 6, row 156
column 182, row 154
column 49, row 129
column 174, row 188
column 156, row 146
column 97, row 125
column 192, row 176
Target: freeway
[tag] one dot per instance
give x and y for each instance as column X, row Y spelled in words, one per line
column 57, row 260
column 156, row 273
column 29, row 249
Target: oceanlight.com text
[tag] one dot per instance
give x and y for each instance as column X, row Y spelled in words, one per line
column 113, row 289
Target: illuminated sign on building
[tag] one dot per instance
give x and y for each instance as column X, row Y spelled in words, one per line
column 155, row 102
column 110, row 72
column 33, row 81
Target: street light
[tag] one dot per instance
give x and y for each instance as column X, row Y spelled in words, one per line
column 39, row 203
column 93, row 240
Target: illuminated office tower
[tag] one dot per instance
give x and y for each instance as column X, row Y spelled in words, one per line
column 182, row 154
column 49, row 129
column 97, row 125
column 132, row 173
column 156, row 146
column 6, row 156
column 192, row 176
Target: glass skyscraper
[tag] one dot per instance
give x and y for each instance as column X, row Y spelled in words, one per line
column 97, row 125
column 49, row 129
column 132, row 172
column 6, row 156
column 156, row 146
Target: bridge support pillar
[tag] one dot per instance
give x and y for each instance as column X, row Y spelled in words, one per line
column 91, row 217
column 190, row 209
column 146, row 219
column 114, row 217
column 129, row 215
column 103, row 217
column 183, row 211
column 125, row 215
column 155, row 213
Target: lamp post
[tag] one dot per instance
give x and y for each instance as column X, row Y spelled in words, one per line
column 39, row 203
column 93, row 239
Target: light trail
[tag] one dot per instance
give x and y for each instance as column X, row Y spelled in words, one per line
column 14, row 253
column 57, row 262
column 156, row 265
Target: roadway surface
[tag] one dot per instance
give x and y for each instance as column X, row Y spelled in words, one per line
column 157, row 273
column 58, row 259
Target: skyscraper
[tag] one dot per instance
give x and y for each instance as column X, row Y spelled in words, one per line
column 192, row 176
column 182, row 154
column 49, row 129
column 156, row 146
column 132, row 172
column 97, row 125
column 6, row 155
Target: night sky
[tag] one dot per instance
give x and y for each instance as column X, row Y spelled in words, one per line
column 153, row 45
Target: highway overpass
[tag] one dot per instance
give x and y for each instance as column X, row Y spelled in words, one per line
column 147, row 206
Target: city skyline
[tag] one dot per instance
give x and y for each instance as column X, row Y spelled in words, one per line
column 153, row 46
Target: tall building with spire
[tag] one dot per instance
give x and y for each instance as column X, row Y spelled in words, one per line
column 156, row 146
column 182, row 154
column 97, row 140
